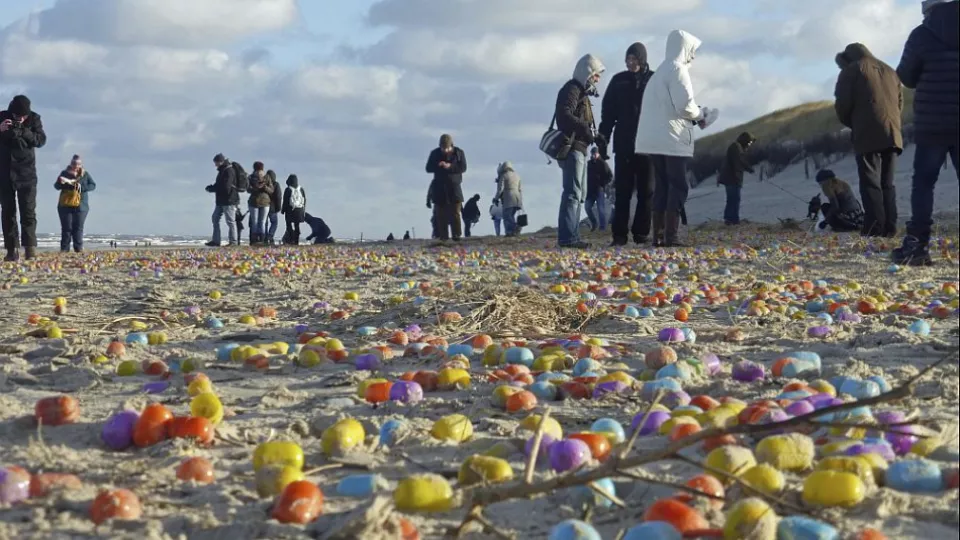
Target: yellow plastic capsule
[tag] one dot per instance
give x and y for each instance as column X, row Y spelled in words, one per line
column 367, row 383
column 548, row 362
column 925, row 447
column 824, row 387
column 491, row 355
column 248, row 319
column 279, row 454
column 200, row 385
column 342, row 437
column 861, row 468
column 310, row 358
column 156, row 338
column 423, row 493
column 551, row 427
column 450, row 378
column 765, row 478
column 455, row 427
column 733, row 460
column 271, row 480
column 793, row 452
column 830, row 488
column 667, row 427
column 334, row 345
column 618, row 376
column 208, row 406
column 478, row 468
column 838, row 447
column 751, row 519
column 279, row 347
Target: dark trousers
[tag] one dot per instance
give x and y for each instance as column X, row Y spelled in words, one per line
column 448, row 220
column 927, row 162
column 842, row 221
column 466, row 228
column 293, row 228
column 633, row 173
column 670, row 193
column 71, row 227
column 877, row 170
column 731, row 213
column 24, row 198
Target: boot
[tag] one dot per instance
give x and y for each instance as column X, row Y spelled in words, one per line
column 659, row 223
column 913, row 252
column 30, row 252
column 618, row 242
column 13, row 255
column 672, row 229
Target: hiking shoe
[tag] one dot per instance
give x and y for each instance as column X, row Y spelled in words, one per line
column 639, row 240
column 13, row 255
column 212, row 244
column 618, row 242
column 911, row 257
column 575, row 245
column 30, row 252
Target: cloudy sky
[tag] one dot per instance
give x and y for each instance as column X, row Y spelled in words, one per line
column 351, row 95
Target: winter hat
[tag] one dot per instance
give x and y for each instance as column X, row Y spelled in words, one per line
column 854, row 52
column 76, row 161
column 258, row 166
column 927, row 5
column 219, row 158
column 640, row 51
column 825, row 174
column 594, row 151
column 19, row 106
column 293, row 181
column 446, row 141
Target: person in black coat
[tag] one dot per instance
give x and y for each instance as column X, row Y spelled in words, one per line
column 319, row 231
column 227, row 200
column 21, row 133
column 619, row 116
column 447, row 163
column 276, row 204
column 599, row 177
column 294, row 208
column 731, row 176
column 931, row 65
column 471, row 214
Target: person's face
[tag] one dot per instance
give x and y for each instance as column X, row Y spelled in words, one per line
column 595, row 155
column 595, row 79
column 633, row 63
column 446, row 149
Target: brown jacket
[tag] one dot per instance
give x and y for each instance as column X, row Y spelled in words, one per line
column 840, row 195
column 869, row 100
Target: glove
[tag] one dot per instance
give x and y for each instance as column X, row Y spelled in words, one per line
column 429, row 204
column 709, row 117
column 823, row 224
column 210, row 189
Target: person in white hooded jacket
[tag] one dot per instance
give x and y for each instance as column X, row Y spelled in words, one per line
column 665, row 133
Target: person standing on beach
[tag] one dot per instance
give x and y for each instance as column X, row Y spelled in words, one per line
column 665, row 133
column 931, row 65
column 496, row 214
column 21, row 133
column 574, row 114
column 261, row 191
column 731, row 176
column 447, row 163
column 619, row 117
column 276, row 203
column 599, row 176
column 869, row 101
column 294, row 209
column 226, row 202
column 74, row 185
column 509, row 197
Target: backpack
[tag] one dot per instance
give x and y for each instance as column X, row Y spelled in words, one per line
column 296, row 198
column 243, row 181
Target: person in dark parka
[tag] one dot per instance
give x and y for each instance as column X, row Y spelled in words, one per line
column 869, row 100
column 843, row 212
column 226, row 201
column 633, row 173
column 294, row 208
column 319, row 231
column 72, row 217
column 731, row 176
column 931, row 65
column 276, row 204
column 471, row 214
column 21, row 133
column 447, row 163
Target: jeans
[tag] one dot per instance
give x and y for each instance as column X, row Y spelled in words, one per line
column 24, row 198
column 258, row 220
column 228, row 213
column 670, row 194
column 597, row 211
column 878, row 193
column 633, row 173
column 71, row 227
column 274, row 219
column 731, row 213
column 571, row 202
column 510, row 220
column 496, row 225
column 926, row 171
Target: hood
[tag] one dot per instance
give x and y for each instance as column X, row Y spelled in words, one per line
column 640, row 51
column 588, row 66
column 682, row 47
column 504, row 167
column 272, row 176
column 941, row 19
column 745, row 138
column 852, row 54
column 293, row 181
column 825, row 174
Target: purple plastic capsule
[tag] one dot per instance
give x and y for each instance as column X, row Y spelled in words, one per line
column 672, row 400
column 117, row 432
column 800, row 408
column 546, row 441
column 367, row 362
column 406, row 392
column 819, row 331
column 652, row 425
column 14, row 486
column 671, row 335
column 157, row 387
column 746, row 371
column 609, row 387
column 569, row 454
column 711, row 362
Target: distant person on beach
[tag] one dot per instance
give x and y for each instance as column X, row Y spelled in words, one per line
column 869, row 100
column 74, row 185
column 931, row 65
column 731, row 175
column 633, row 172
column 21, row 133
column 509, row 197
column 496, row 214
column 319, row 231
column 406, row 235
column 471, row 214
column 294, row 209
column 599, row 176
column 575, row 120
column 665, row 133
column 226, row 202
column 261, row 193
column 842, row 212
column 447, row 163
column 390, row 238
column 276, row 203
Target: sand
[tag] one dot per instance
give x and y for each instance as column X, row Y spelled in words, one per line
column 294, row 403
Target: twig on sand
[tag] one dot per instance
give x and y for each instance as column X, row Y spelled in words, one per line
column 679, row 487
column 643, row 422
column 483, row 496
column 476, row 514
column 133, row 318
column 535, row 449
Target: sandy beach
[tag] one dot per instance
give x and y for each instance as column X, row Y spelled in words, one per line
column 752, row 296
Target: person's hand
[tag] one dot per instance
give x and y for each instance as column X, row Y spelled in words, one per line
column 211, row 189
column 429, row 204
column 5, row 125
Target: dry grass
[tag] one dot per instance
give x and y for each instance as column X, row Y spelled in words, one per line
column 800, row 123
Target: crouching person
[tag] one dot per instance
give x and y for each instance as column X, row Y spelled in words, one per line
column 843, row 212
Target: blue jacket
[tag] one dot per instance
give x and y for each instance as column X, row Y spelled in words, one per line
column 86, row 184
column 931, row 65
